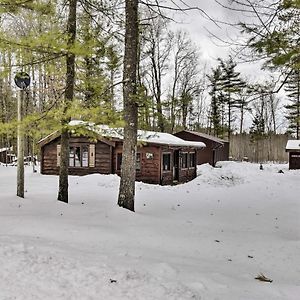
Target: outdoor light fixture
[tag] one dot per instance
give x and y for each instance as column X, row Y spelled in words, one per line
column 22, row 80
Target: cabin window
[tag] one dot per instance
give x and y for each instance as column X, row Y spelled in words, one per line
column 79, row 156
column 85, row 156
column 192, row 160
column 137, row 164
column 58, row 149
column 166, row 161
column 184, row 160
column 71, row 157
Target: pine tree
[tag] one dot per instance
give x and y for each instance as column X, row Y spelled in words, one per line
column 69, row 94
column 215, row 105
column 231, row 85
column 292, row 88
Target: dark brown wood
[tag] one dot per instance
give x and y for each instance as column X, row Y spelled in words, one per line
column 106, row 161
column 215, row 150
column 5, row 157
column 294, row 160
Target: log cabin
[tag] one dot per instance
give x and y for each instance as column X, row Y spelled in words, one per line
column 293, row 148
column 161, row 157
column 6, row 155
column 216, row 149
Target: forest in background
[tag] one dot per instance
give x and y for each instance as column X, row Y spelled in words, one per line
column 176, row 89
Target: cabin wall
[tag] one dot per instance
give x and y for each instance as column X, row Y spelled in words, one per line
column 151, row 160
column 207, row 155
column 49, row 158
column 184, row 174
column 187, row 174
column 103, row 154
column 3, row 157
column 150, row 163
column 294, row 160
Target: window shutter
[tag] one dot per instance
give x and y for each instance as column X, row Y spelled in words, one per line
column 58, row 148
column 92, row 156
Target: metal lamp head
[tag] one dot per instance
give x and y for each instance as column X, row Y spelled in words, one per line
column 22, row 80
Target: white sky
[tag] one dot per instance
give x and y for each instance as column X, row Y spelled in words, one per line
column 200, row 27
column 210, row 48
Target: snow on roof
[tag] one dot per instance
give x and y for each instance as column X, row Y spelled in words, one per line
column 5, row 149
column 142, row 135
column 207, row 136
column 293, row 145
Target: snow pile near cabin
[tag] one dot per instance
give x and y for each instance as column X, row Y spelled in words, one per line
column 206, row 239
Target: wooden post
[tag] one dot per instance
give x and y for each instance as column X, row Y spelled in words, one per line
column 20, row 150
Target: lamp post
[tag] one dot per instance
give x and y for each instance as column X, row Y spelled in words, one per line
column 22, row 80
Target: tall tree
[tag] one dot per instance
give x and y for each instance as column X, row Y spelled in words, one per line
column 273, row 33
column 215, row 103
column 183, row 84
column 292, row 89
column 128, row 171
column 156, row 52
column 69, row 94
column 231, row 85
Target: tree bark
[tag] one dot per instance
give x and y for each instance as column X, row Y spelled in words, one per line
column 128, row 171
column 20, row 146
column 69, row 94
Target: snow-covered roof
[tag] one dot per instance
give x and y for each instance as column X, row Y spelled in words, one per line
column 142, row 135
column 293, row 145
column 206, row 136
column 5, row 149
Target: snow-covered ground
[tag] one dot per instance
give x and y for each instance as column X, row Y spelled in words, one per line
column 206, row 239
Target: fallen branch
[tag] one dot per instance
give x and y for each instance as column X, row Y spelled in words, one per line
column 262, row 277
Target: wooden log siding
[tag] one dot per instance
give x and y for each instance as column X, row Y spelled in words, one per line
column 184, row 174
column 49, row 158
column 150, row 167
column 99, row 157
column 186, row 171
column 294, row 160
column 105, row 154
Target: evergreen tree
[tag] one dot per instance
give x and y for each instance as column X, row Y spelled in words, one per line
column 69, row 94
column 231, row 86
column 292, row 88
column 215, row 105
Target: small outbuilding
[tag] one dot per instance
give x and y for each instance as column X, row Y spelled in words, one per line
column 161, row 157
column 216, row 149
column 293, row 148
column 6, row 155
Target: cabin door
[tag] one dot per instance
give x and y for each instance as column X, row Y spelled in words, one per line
column 176, row 165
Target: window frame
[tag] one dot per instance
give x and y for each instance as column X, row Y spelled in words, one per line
column 80, row 147
column 192, row 163
column 138, row 162
column 184, row 155
column 162, row 162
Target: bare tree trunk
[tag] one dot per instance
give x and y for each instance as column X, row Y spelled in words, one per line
column 64, row 164
column 128, row 171
column 20, row 145
column 69, row 94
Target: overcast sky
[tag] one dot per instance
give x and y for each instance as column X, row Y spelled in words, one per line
column 210, row 48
